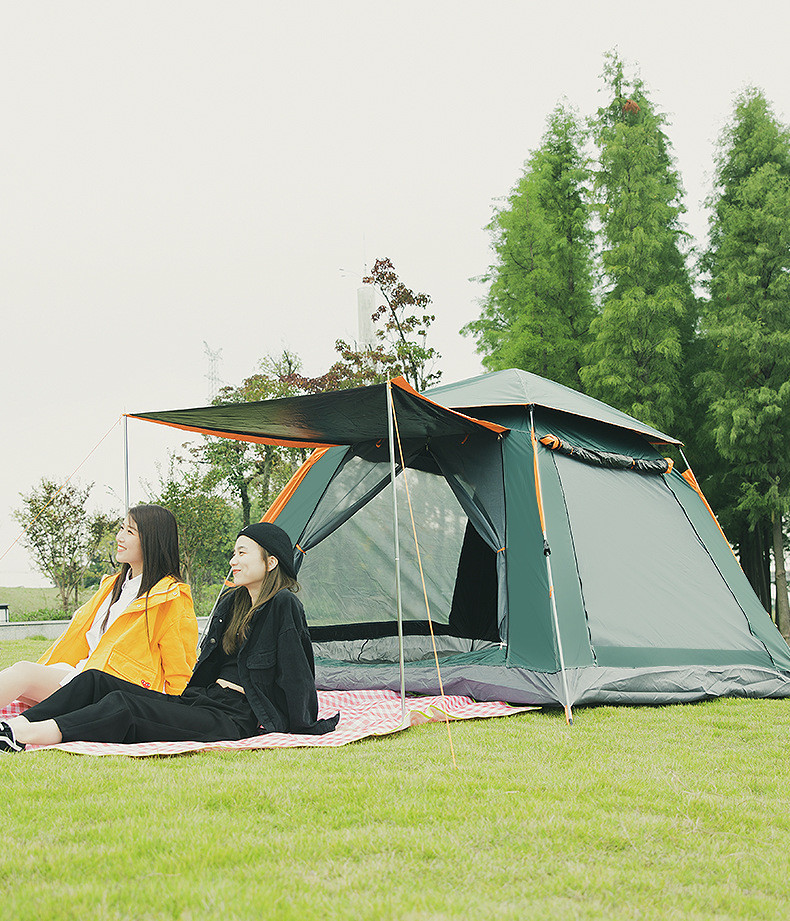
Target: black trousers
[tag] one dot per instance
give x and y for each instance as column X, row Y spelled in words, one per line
column 97, row 707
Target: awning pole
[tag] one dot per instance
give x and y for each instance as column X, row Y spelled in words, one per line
column 547, row 554
column 396, row 536
column 125, row 465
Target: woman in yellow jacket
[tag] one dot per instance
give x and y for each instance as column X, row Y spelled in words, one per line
column 140, row 625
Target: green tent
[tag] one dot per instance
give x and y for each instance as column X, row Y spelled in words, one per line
column 572, row 566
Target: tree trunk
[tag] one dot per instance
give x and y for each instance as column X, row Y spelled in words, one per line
column 754, row 553
column 782, row 603
column 246, row 505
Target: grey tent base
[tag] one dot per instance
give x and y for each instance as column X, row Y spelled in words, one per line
column 590, row 685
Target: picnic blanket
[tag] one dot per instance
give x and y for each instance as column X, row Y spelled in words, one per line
column 362, row 714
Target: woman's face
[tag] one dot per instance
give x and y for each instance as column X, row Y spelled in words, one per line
column 250, row 565
column 129, row 548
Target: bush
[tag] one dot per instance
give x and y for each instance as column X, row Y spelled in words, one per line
column 40, row 614
column 205, row 604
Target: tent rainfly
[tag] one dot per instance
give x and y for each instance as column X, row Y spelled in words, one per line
column 642, row 600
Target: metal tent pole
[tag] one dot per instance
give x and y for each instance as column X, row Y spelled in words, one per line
column 547, row 555
column 125, row 464
column 396, row 537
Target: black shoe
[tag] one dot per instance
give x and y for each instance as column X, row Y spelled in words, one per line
column 8, row 742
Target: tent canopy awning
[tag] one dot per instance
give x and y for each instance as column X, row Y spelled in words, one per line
column 340, row 417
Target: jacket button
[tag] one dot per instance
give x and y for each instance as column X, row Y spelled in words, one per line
column 213, row 640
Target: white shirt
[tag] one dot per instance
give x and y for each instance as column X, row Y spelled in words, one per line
column 128, row 594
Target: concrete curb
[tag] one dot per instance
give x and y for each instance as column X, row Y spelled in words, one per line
column 51, row 629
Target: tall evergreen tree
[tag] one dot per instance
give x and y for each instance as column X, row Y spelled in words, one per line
column 539, row 305
column 644, row 332
column 746, row 323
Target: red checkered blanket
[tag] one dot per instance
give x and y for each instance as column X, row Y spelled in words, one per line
column 362, row 714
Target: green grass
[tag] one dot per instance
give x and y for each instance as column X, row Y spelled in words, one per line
column 632, row 813
column 32, row 603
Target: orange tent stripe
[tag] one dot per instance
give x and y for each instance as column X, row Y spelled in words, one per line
column 537, row 482
column 291, row 486
column 404, row 385
column 688, row 476
column 253, row 439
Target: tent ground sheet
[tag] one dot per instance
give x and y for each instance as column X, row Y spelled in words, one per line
column 362, row 714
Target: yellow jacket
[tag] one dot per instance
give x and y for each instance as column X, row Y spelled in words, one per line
column 159, row 654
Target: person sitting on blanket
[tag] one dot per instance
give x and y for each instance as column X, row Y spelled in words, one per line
column 255, row 672
column 140, row 625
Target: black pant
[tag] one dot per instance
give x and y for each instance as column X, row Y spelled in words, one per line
column 97, row 707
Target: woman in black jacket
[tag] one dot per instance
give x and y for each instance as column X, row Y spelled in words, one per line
column 254, row 674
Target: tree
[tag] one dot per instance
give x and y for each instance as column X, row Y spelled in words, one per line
column 60, row 533
column 746, row 322
column 641, row 340
column 205, row 524
column 102, row 561
column 403, row 323
column 539, row 305
column 254, row 474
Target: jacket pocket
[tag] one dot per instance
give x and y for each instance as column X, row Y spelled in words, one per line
column 264, row 658
column 262, row 669
column 130, row 669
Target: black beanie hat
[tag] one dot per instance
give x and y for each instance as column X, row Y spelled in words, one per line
column 275, row 541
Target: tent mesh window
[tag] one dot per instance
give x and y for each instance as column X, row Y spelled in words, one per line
column 348, row 579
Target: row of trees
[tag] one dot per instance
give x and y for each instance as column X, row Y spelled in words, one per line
column 593, row 286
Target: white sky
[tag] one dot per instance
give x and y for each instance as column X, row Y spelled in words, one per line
column 173, row 172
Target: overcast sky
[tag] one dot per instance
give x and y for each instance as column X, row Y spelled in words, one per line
column 175, row 172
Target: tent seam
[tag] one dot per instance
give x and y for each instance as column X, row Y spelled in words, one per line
column 575, row 559
column 721, row 574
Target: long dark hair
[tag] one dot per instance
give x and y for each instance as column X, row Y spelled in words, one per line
column 158, row 532
column 244, row 610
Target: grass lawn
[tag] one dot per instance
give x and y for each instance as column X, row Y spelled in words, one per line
column 672, row 812
column 25, row 603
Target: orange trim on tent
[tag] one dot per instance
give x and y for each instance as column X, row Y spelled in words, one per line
column 253, row 439
column 290, row 443
column 537, row 483
column 404, row 385
column 688, row 476
column 291, row 486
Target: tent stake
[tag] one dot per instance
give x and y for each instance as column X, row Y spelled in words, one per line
column 398, row 602
column 547, row 554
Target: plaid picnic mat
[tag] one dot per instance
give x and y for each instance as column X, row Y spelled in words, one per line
column 362, row 714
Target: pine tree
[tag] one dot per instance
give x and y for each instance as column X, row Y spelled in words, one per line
column 539, row 304
column 642, row 337
column 746, row 323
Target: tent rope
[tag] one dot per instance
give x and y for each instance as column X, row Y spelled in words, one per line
column 422, row 577
column 65, row 484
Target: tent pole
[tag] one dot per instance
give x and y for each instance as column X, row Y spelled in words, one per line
column 547, row 554
column 398, row 602
column 125, row 464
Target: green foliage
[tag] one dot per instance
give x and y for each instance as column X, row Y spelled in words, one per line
column 26, row 603
column 102, row 560
column 642, row 338
column 746, row 322
column 61, row 535
column 402, row 326
column 539, row 305
column 46, row 613
column 254, row 474
column 205, row 524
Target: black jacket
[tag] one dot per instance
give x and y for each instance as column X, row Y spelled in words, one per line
column 276, row 666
